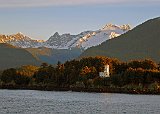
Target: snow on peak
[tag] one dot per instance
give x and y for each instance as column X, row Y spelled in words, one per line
column 113, row 35
column 95, row 38
column 19, row 40
column 109, row 27
column 83, row 40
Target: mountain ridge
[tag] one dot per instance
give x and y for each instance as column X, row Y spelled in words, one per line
column 11, row 57
column 82, row 40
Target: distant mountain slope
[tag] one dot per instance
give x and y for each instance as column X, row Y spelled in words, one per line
column 11, row 56
column 139, row 43
column 52, row 56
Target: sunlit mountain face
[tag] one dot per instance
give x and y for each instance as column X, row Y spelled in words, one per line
column 20, row 40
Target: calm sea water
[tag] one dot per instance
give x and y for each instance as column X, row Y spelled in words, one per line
column 50, row 102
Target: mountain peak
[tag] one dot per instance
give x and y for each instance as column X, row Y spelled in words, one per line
column 19, row 40
column 110, row 26
column 20, row 34
column 56, row 34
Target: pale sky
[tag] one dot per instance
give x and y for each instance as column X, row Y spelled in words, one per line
column 40, row 19
column 44, row 3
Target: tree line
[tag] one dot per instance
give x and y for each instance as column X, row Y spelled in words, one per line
column 85, row 73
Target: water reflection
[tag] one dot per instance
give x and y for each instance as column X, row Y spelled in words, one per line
column 28, row 101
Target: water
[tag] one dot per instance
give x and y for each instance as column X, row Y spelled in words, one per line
column 50, row 102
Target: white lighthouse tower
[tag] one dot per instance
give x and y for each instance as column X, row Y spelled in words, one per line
column 105, row 73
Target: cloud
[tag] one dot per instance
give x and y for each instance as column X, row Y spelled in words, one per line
column 44, row 3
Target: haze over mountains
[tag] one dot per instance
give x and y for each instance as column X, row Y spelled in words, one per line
column 52, row 56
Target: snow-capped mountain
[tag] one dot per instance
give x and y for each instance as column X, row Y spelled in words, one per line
column 20, row 40
column 86, row 39
column 95, row 38
column 64, row 41
column 83, row 40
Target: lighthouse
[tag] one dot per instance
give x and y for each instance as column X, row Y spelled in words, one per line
column 105, row 73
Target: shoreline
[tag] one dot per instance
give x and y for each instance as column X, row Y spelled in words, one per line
column 80, row 89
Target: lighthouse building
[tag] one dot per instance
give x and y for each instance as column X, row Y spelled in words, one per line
column 105, row 73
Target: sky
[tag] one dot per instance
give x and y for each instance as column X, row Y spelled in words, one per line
column 40, row 19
